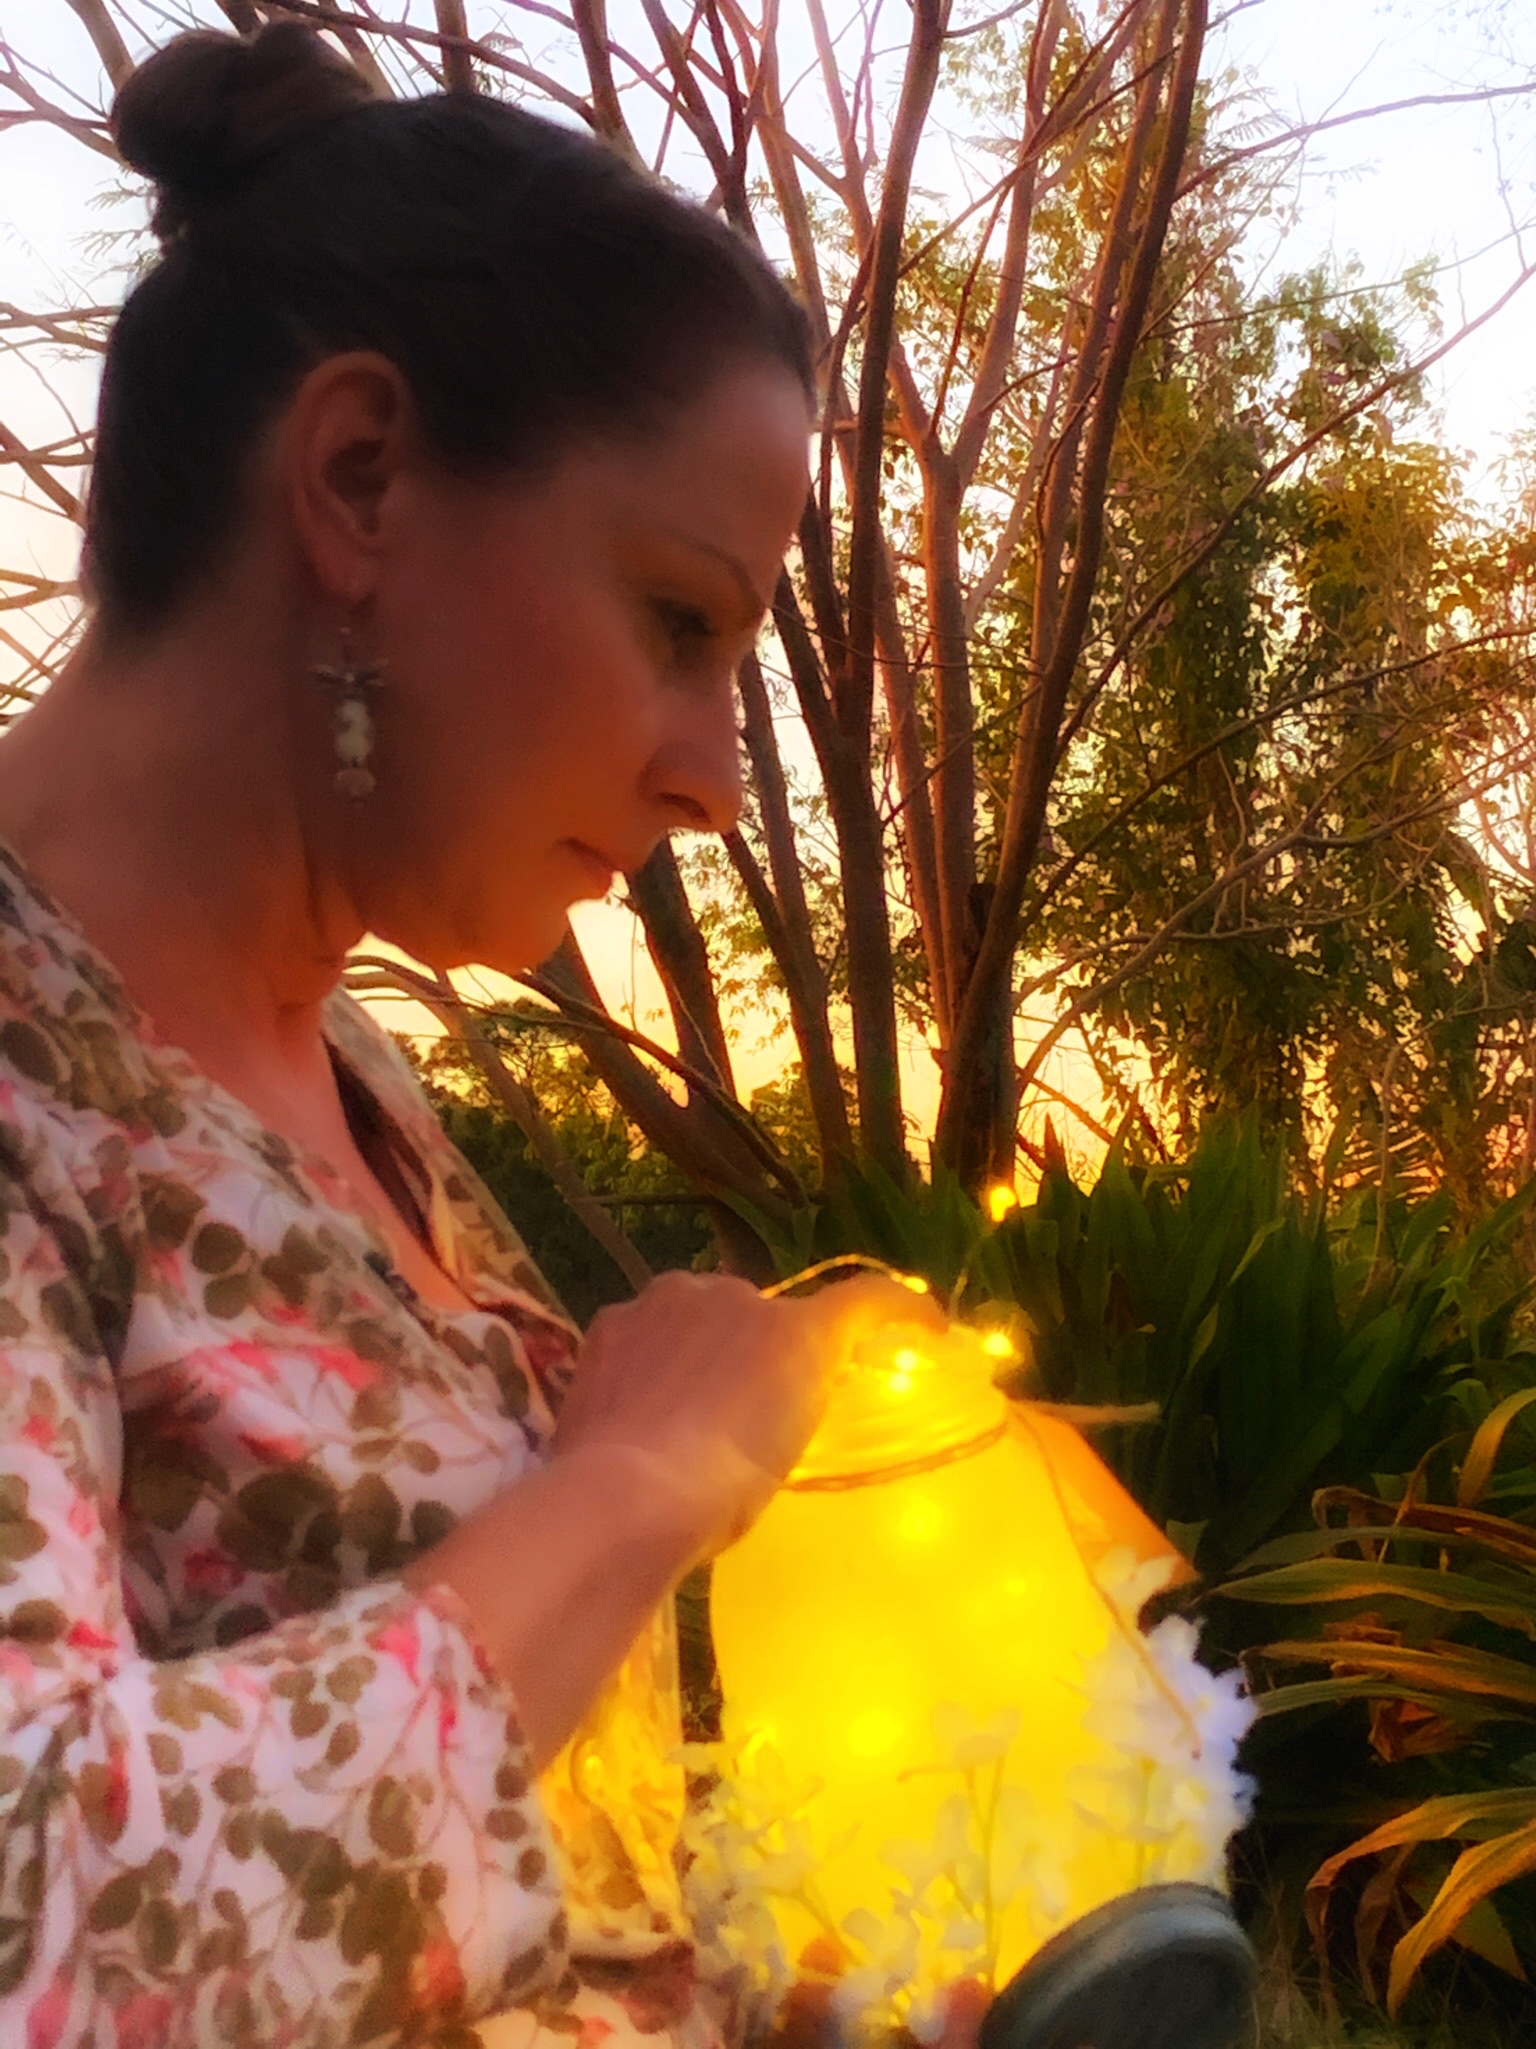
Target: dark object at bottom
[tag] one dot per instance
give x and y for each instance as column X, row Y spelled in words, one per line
column 1163, row 1968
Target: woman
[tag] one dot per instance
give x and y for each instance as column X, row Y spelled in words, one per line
column 445, row 466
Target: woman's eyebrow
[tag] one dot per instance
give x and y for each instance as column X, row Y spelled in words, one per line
column 737, row 568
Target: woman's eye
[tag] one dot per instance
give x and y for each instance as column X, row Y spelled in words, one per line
column 689, row 628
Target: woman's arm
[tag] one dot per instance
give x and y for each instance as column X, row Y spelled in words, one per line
column 327, row 1830
column 600, row 1540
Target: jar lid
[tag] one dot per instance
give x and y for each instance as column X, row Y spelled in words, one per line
column 909, row 1398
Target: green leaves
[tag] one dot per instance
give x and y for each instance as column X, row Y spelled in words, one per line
column 1344, row 1579
column 1503, row 1826
column 1477, row 1467
column 1285, row 1348
column 1421, row 1644
column 1459, row 1677
column 1474, row 1876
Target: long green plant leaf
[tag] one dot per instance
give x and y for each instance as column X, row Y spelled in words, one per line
column 1437, row 1668
column 1475, row 1874
column 1342, row 1579
column 1467, row 1710
column 1495, row 1534
column 1304, row 1544
column 1432, row 1821
column 1482, row 1454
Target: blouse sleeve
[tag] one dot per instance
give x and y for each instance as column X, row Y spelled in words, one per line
column 323, row 1835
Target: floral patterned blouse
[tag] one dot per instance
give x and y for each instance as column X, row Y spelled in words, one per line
column 252, row 1790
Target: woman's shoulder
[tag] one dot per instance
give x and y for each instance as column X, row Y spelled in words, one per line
column 70, row 1056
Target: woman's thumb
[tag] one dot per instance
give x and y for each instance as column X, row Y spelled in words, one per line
column 965, row 2008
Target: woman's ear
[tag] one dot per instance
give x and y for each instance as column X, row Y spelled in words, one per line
column 345, row 441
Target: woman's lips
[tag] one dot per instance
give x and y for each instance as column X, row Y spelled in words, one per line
column 602, row 870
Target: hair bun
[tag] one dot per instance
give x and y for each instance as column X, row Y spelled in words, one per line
column 207, row 108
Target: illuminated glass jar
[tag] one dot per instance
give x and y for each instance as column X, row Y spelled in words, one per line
column 921, row 1642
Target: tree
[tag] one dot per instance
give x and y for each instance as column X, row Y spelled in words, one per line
column 1041, row 498
column 1357, row 655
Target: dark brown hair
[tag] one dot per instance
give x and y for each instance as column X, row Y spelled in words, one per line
column 530, row 283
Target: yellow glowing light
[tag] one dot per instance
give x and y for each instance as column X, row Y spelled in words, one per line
column 906, row 1363
column 913, row 1281
column 920, row 1520
column 1001, row 1199
column 930, row 1553
column 998, row 1345
column 874, row 1734
column 762, row 1738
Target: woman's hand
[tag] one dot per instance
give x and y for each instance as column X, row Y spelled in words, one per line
column 965, row 2008
column 688, row 1408
column 716, row 1389
column 805, row 2019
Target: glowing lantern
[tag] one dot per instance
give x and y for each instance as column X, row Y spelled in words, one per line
column 947, row 1738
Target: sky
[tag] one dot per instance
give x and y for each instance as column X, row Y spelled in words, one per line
column 1454, row 184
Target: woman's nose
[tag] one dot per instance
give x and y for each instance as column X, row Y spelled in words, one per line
column 696, row 772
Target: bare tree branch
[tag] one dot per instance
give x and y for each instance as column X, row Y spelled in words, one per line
column 103, row 32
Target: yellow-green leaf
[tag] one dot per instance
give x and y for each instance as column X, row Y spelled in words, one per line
column 1432, row 1821
column 1453, row 1707
column 1386, row 1521
column 1438, row 1668
column 1435, row 1821
column 1482, row 1931
column 1348, row 1579
column 1475, row 1874
column 1483, row 1453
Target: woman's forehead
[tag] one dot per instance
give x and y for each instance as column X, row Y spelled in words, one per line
column 725, row 480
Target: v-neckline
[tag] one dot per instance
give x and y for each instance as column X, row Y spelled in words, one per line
column 358, row 1095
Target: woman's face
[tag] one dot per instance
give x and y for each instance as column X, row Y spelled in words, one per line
column 561, row 658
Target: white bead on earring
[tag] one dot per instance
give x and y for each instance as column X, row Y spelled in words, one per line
column 350, row 683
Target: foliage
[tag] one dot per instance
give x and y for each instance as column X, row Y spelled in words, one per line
column 1353, row 621
column 662, row 1216
column 1425, row 1610
column 1289, row 1341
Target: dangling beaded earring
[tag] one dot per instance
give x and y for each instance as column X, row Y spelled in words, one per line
column 350, row 684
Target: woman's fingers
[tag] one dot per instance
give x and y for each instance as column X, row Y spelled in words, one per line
column 851, row 1311
column 721, row 1389
column 965, row 2008
column 805, row 2019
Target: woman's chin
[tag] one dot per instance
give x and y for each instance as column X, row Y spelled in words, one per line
column 514, row 949
column 505, row 946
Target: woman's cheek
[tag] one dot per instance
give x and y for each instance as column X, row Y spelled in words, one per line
column 612, row 705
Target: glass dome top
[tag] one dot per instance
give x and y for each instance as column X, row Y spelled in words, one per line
column 907, row 1399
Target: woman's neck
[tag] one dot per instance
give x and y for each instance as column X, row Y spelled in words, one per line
column 152, row 791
